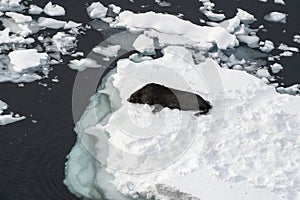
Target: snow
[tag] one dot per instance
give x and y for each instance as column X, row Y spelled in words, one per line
column 107, row 52
column 35, row 10
column 26, row 58
column 96, row 10
column 83, row 63
column 276, row 67
column 276, row 17
column 144, row 45
column 8, row 118
column 19, row 18
column 54, row 10
column 50, row 23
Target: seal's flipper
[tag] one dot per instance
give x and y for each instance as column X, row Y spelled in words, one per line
column 157, row 108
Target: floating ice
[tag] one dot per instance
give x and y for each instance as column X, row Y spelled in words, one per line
column 50, row 23
column 72, row 24
column 245, row 16
column 296, row 38
column 54, row 10
column 35, row 10
column 164, row 24
column 276, row 68
column 19, row 18
column 279, row 2
column 251, row 41
column 64, row 43
column 266, row 46
column 276, row 17
column 8, row 118
column 107, row 52
column 163, row 3
column 96, row 10
column 83, row 63
column 26, row 58
column 284, row 47
column 144, row 45
column 293, row 90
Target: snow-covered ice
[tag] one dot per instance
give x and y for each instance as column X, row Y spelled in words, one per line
column 83, row 63
column 256, row 150
column 276, row 17
column 8, row 118
column 26, row 58
column 107, row 52
column 96, row 10
column 51, row 23
column 54, row 10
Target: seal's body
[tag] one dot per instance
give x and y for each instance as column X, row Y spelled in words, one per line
column 161, row 96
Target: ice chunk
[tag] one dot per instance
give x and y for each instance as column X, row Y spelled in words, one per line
column 251, row 41
column 263, row 73
column 231, row 24
column 279, row 2
column 214, row 16
column 96, row 10
column 50, row 23
column 245, row 16
column 108, row 52
column 9, row 118
column 72, row 24
column 115, row 9
column 19, row 18
column 54, row 10
column 286, row 54
column 164, row 24
column 35, row 10
column 83, row 63
column 163, row 3
column 144, row 45
column 26, row 58
column 64, row 42
column 276, row 68
column 266, row 46
column 276, row 17
column 296, row 38
column 293, row 90
column 284, row 47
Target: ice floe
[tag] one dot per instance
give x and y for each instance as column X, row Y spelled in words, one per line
column 276, row 17
column 96, row 10
column 8, row 118
column 54, row 10
column 50, row 23
column 25, row 59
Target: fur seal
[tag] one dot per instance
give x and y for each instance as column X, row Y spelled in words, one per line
column 161, row 96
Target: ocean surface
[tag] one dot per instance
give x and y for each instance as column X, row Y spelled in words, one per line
column 33, row 154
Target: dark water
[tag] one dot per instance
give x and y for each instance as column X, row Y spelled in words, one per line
column 33, row 155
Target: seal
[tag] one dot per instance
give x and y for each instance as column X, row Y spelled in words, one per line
column 161, row 96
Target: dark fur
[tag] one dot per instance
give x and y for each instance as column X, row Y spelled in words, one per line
column 159, row 95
